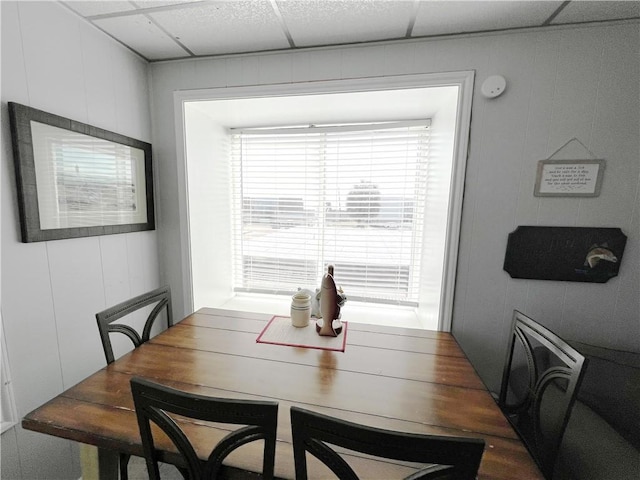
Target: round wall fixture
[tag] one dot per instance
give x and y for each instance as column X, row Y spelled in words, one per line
column 493, row 86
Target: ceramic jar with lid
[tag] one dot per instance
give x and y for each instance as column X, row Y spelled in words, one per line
column 300, row 309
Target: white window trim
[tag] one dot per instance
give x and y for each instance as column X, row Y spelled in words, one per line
column 463, row 79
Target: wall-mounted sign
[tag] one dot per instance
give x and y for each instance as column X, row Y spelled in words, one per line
column 573, row 254
column 569, row 178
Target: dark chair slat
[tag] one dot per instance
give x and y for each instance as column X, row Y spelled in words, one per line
column 106, row 318
column 449, row 457
column 541, row 377
column 153, row 403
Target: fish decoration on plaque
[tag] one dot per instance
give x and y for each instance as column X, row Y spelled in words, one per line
column 332, row 299
column 572, row 254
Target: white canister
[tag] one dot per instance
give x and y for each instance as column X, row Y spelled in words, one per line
column 300, row 309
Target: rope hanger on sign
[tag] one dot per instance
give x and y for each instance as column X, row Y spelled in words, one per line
column 574, row 139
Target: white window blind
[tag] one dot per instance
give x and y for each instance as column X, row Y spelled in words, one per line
column 350, row 195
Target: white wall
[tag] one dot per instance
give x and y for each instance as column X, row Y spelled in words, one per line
column 53, row 61
column 209, row 207
column 562, row 83
column 439, row 205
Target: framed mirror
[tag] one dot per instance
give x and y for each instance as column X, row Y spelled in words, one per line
column 76, row 180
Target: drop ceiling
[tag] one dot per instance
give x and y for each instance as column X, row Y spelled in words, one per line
column 174, row 29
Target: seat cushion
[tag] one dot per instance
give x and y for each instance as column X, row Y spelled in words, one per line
column 592, row 450
column 611, row 388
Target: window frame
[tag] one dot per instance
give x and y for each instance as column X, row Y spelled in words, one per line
column 182, row 273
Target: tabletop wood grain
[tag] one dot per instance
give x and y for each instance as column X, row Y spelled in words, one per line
column 395, row 378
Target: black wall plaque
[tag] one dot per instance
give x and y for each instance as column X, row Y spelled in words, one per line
column 573, row 254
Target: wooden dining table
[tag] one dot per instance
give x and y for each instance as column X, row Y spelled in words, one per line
column 389, row 377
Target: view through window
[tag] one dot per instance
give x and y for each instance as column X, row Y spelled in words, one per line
column 352, row 196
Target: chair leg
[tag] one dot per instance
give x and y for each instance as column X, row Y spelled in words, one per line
column 124, row 463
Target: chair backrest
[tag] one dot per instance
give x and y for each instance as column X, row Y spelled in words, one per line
column 541, row 377
column 456, row 458
column 154, row 402
column 105, row 318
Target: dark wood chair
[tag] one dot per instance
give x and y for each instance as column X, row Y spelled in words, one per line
column 449, row 457
column 541, row 377
column 154, row 403
column 106, row 318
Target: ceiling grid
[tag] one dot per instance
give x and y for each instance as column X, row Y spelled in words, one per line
column 173, row 29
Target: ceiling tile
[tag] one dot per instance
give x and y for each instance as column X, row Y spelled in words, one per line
column 581, row 11
column 161, row 3
column 321, row 22
column 438, row 18
column 140, row 34
column 225, row 27
column 88, row 9
column 218, row 27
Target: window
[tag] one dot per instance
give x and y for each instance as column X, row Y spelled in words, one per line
column 348, row 195
column 215, row 211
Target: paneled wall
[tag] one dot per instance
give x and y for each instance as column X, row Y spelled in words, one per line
column 566, row 82
column 51, row 60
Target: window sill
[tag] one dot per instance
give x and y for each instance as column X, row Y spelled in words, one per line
column 357, row 312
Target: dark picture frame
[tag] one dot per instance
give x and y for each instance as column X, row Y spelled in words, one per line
column 76, row 180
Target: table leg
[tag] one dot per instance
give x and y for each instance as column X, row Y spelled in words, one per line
column 98, row 463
